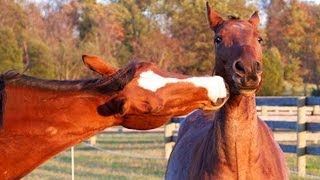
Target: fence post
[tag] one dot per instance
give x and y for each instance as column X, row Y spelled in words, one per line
column 301, row 137
column 93, row 140
column 169, row 129
column 316, row 110
column 72, row 163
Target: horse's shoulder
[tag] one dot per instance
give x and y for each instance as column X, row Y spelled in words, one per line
column 269, row 147
column 193, row 130
column 196, row 120
column 264, row 129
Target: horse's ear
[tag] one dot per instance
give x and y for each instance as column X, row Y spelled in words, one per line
column 255, row 19
column 214, row 18
column 98, row 65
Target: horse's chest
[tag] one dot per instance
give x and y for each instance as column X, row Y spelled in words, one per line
column 225, row 172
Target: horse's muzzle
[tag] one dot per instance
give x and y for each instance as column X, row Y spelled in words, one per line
column 247, row 76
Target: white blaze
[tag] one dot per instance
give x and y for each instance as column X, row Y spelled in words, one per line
column 214, row 84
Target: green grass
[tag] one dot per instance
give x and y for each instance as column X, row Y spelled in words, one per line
column 94, row 164
column 313, row 165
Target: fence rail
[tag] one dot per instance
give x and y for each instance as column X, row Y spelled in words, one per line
column 300, row 108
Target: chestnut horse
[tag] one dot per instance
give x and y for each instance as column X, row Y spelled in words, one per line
column 41, row 118
column 233, row 143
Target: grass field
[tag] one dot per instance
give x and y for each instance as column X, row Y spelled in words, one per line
column 94, row 164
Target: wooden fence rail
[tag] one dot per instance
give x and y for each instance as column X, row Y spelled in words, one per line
column 300, row 108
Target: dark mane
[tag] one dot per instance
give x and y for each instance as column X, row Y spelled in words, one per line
column 2, row 100
column 103, row 84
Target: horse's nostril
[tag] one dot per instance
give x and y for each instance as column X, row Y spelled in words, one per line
column 239, row 68
column 258, row 67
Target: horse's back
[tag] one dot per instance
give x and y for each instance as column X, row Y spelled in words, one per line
column 192, row 131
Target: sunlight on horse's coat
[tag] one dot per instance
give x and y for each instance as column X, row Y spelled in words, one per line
column 239, row 26
column 51, row 130
column 214, row 85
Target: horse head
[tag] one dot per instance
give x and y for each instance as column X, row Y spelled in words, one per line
column 154, row 96
column 238, row 52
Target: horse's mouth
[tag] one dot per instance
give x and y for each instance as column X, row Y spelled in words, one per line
column 244, row 87
column 245, row 90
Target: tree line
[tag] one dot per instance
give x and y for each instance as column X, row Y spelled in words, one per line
column 50, row 36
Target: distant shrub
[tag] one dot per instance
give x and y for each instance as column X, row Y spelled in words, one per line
column 315, row 92
column 273, row 73
column 10, row 53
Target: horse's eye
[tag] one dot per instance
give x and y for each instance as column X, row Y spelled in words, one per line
column 218, row 39
column 260, row 40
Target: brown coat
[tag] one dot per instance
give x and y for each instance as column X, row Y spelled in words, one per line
column 41, row 118
column 233, row 143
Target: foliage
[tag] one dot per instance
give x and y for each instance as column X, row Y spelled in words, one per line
column 315, row 92
column 100, row 31
column 273, row 73
column 10, row 53
column 40, row 59
column 298, row 23
column 170, row 57
column 292, row 75
column 12, row 15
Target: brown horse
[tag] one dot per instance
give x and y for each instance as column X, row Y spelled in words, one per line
column 233, row 143
column 41, row 118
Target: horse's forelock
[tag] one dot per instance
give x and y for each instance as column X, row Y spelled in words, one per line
column 232, row 17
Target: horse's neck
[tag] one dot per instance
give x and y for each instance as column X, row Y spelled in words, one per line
column 38, row 124
column 38, row 108
column 236, row 133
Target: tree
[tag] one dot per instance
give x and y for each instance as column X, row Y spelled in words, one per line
column 314, row 48
column 10, row 53
column 297, row 24
column 61, row 22
column 12, row 25
column 100, row 30
column 40, row 58
column 161, row 50
column 13, row 16
column 136, row 20
column 273, row 74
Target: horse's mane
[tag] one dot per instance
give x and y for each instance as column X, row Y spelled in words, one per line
column 2, row 100
column 102, row 84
